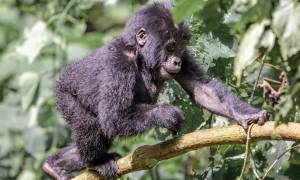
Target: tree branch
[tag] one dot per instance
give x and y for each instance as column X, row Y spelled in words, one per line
column 145, row 157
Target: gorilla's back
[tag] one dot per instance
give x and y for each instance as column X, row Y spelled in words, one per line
column 97, row 76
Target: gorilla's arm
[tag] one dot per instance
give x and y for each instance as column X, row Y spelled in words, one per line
column 146, row 116
column 214, row 96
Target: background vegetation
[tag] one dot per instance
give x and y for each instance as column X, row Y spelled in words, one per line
column 38, row 38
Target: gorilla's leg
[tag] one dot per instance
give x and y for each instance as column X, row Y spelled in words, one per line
column 91, row 144
column 93, row 147
column 63, row 163
column 139, row 120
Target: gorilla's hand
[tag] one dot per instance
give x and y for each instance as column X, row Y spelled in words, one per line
column 172, row 118
column 259, row 117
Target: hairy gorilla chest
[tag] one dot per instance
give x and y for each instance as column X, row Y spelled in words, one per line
column 146, row 91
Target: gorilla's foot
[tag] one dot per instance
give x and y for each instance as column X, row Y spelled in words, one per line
column 107, row 166
column 55, row 172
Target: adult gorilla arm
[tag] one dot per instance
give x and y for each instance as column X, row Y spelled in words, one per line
column 214, row 96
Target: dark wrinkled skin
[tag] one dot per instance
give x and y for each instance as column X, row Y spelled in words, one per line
column 112, row 92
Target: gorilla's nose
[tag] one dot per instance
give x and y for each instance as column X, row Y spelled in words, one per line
column 176, row 62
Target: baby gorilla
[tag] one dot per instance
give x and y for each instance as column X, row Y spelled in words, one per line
column 112, row 92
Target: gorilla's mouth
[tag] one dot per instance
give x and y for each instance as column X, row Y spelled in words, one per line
column 168, row 73
column 173, row 71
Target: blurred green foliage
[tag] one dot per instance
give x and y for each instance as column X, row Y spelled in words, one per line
column 38, row 38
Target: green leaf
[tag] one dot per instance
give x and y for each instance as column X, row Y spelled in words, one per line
column 28, row 84
column 9, row 70
column 76, row 51
column 185, row 8
column 85, row 4
column 243, row 5
column 12, row 118
column 286, row 25
column 10, row 165
column 267, row 40
column 36, row 38
column 288, row 108
column 208, row 48
column 26, row 174
column 35, row 139
column 246, row 12
column 212, row 15
column 248, row 49
column 278, row 147
column 6, row 145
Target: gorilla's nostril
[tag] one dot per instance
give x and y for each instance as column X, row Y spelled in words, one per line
column 177, row 63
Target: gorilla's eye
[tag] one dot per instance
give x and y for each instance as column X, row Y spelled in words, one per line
column 171, row 47
column 186, row 37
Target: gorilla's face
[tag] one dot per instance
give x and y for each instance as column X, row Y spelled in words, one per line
column 162, row 48
column 172, row 50
column 171, row 62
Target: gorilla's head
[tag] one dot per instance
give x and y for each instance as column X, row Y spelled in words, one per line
column 159, row 42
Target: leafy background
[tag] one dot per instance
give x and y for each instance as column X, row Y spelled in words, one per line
column 38, row 38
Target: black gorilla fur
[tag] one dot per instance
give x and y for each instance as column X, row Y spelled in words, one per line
column 111, row 93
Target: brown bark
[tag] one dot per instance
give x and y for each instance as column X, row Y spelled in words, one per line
column 145, row 157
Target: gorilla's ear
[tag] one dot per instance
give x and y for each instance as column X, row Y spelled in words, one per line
column 141, row 37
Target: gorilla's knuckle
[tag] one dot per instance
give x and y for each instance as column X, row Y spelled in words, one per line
column 175, row 113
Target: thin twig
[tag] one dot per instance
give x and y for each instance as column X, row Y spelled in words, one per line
column 277, row 159
column 272, row 80
column 272, row 66
column 257, row 79
column 250, row 99
column 246, row 150
column 252, row 163
column 63, row 13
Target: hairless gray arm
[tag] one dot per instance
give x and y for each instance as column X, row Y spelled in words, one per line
column 214, row 96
